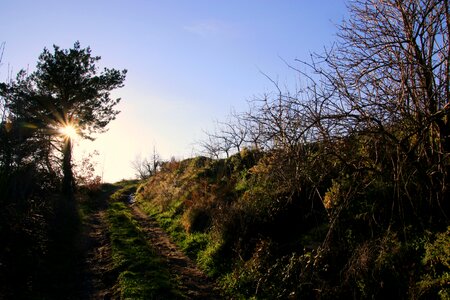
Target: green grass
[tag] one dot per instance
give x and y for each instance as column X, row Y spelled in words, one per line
column 141, row 273
column 199, row 246
column 169, row 220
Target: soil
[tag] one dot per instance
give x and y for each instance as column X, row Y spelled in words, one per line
column 99, row 278
column 192, row 282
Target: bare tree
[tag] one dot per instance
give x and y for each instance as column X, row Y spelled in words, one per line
column 146, row 167
column 387, row 80
column 213, row 146
column 383, row 86
column 234, row 130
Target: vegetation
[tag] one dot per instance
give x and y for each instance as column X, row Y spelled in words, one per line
column 344, row 191
column 141, row 274
column 336, row 191
column 39, row 114
column 63, row 97
column 146, row 167
column 260, row 242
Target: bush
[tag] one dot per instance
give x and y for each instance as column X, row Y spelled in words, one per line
column 436, row 280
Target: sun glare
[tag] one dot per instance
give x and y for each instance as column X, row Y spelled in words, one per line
column 69, row 131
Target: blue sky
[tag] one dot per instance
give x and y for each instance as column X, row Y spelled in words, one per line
column 189, row 62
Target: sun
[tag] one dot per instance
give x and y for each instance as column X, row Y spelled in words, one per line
column 69, row 131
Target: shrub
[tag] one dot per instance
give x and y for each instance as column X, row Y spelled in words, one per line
column 197, row 219
column 436, row 280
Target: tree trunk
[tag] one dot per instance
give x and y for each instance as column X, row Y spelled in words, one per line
column 68, row 180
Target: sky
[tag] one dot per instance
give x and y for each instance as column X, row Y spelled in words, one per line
column 190, row 63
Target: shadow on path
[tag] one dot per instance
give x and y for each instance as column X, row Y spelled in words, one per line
column 98, row 275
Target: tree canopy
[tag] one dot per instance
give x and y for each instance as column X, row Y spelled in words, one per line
column 65, row 90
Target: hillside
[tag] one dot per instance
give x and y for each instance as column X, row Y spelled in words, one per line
column 335, row 187
column 260, row 239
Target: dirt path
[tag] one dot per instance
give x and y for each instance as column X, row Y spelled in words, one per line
column 98, row 277
column 192, row 282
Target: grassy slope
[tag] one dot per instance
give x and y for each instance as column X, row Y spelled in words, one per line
column 200, row 203
column 237, row 226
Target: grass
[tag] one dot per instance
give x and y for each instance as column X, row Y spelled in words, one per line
column 169, row 220
column 141, row 273
column 199, row 246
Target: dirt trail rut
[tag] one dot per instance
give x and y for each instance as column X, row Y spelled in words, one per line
column 192, row 282
column 98, row 281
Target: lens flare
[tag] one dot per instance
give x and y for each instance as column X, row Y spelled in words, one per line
column 69, row 131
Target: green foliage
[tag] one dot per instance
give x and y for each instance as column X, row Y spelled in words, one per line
column 437, row 263
column 191, row 243
column 348, row 200
column 194, row 244
column 141, row 274
column 197, row 219
column 268, row 276
column 66, row 89
column 260, row 242
column 211, row 258
column 223, row 221
column 71, row 76
column 354, row 174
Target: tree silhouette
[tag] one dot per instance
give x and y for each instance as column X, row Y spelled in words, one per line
column 66, row 94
